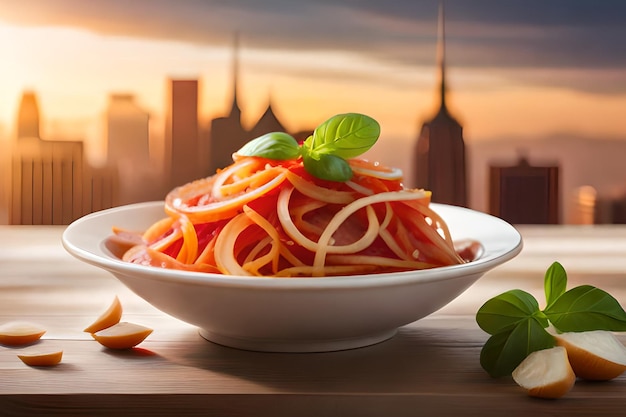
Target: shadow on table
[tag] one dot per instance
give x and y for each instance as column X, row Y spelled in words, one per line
column 415, row 358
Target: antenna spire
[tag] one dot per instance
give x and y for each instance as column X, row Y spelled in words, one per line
column 235, row 110
column 441, row 53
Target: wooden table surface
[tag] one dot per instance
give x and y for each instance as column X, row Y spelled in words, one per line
column 431, row 367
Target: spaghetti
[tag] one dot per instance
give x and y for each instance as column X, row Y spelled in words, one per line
column 265, row 217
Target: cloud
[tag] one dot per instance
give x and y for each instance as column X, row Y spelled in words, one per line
column 582, row 34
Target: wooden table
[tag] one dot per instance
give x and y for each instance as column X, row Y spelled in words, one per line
column 431, row 367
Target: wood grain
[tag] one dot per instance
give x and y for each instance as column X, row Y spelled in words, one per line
column 431, row 367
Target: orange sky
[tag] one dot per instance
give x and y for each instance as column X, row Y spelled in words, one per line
column 520, row 69
column 74, row 69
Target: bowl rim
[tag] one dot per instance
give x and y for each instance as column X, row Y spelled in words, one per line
column 93, row 253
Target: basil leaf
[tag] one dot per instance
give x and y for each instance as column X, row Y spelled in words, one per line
column 345, row 135
column 586, row 308
column 279, row 146
column 505, row 311
column 504, row 351
column 327, row 167
column 555, row 282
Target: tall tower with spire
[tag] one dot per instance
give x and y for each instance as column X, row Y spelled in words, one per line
column 235, row 110
column 227, row 133
column 439, row 163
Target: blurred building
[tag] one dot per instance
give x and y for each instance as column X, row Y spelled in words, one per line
column 227, row 132
column 268, row 122
column 5, row 178
column 50, row 182
column 28, row 116
column 47, row 182
column 584, row 205
column 610, row 209
column 440, row 161
column 127, row 131
column 525, row 194
column 181, row 132
column 128, row 151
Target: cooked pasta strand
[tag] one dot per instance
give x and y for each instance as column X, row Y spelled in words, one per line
column 260, row 217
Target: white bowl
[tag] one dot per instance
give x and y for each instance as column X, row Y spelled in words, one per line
column 294, row 315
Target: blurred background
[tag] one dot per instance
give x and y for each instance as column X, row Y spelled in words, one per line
column 112, row 102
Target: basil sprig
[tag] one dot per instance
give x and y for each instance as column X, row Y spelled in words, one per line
column 279, row 146
column 324, row 153
column 518, row 326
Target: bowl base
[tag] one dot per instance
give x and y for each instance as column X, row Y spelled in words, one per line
column 297, row 345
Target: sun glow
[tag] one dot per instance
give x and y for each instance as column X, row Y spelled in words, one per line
column 74, row 71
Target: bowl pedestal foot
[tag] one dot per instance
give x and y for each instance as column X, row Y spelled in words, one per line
column 297, row 345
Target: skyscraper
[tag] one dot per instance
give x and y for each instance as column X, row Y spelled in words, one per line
column 28, row 116
column 128, row 152
column 227, row 133
column 440, row 152
column 127, row 131
column 525, row 193
column 181, row 133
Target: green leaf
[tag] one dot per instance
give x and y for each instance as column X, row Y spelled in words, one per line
column 504, row 351
column 325, row 152
column 279, row 146
column 555, row 282
column 345, row 135
column 507, row 310
column 518, row 326
column 327, row 167
column 586, row 308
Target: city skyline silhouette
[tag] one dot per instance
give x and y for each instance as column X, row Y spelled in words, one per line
column 52, row 181
column 515, row 72
column 149, row 182
column 440, row 160
column 274, row 110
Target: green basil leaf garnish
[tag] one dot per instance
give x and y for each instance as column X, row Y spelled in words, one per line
column 586, row 308
column 328, row 167
column 346, row 135
column 507, row 310
column 517, row 325
column 279, row 146
column 325, row 152
column 504, row 351
column 555, row 282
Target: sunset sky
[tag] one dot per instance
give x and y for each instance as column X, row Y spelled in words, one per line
column 516, row 68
